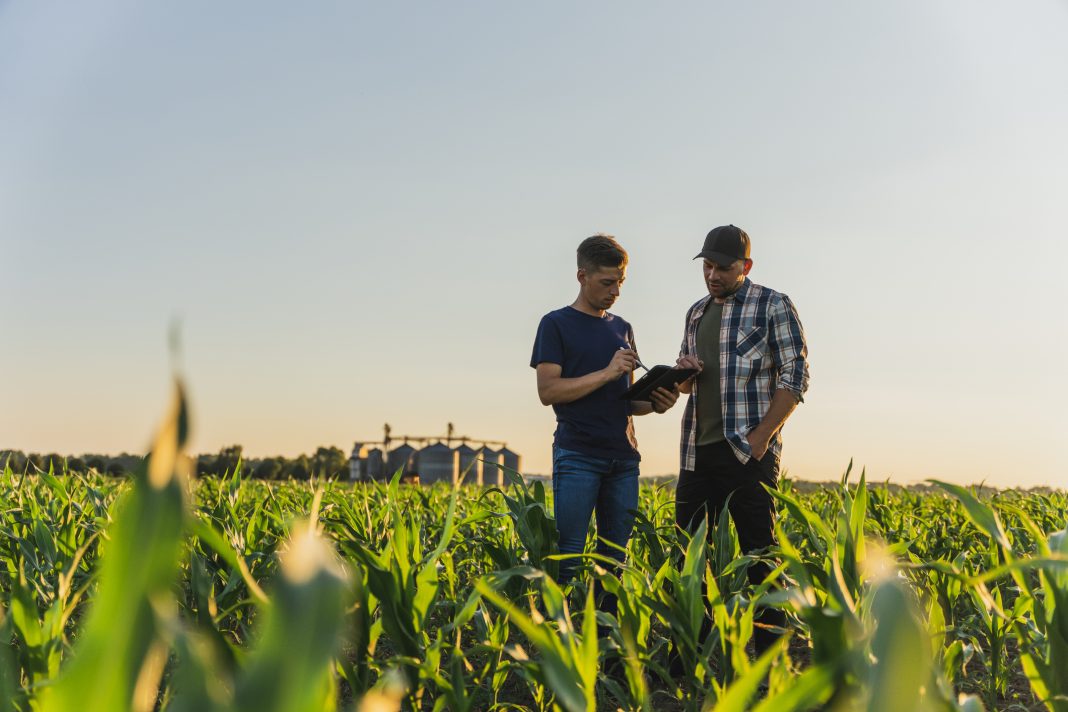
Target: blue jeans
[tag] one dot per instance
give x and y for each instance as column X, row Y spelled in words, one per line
column 582, row 485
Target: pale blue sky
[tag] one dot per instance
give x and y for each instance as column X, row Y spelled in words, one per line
column 360, row 212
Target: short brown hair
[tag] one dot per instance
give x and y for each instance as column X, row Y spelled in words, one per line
column 601, row 251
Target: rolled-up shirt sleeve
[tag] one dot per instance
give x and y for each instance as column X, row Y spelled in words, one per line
column 788, row 347
column 684, row 347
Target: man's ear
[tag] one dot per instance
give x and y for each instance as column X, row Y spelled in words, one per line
column 581, row 275
column 748, row 266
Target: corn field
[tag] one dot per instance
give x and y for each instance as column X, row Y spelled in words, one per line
column 164, row 592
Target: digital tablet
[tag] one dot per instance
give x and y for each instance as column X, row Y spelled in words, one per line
column 658, row 376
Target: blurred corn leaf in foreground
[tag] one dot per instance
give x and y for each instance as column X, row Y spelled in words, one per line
column 133, row 625
column 8, row 681
column 120, row 653
column 289, row 668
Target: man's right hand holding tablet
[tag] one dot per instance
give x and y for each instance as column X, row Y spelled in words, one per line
column 689, row 362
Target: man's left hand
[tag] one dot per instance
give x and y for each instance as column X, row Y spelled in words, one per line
column 758, row 444
column 663, row 399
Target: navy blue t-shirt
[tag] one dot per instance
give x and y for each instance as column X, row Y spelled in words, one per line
column 599, row 424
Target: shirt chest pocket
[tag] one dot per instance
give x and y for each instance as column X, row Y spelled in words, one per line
column 752, row 342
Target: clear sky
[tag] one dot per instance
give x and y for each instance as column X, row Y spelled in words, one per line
column 360, row 211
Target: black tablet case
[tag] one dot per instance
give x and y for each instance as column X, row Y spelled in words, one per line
column 657, row 376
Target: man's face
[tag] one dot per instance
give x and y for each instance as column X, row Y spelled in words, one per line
column 723, row 280
column 600, row 289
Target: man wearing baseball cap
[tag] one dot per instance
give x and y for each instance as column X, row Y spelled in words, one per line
column 748, row 344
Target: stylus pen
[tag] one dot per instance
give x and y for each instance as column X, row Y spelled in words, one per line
column 636, row 359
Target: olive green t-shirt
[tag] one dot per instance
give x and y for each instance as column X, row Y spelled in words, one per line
column 709, row 398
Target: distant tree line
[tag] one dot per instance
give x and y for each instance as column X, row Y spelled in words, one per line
column 326, row 462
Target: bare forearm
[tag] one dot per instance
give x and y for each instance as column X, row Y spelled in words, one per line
column 565, row 390
column 641, row 408
column 782, row 405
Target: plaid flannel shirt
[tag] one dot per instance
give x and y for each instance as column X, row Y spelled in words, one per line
column 761, row 349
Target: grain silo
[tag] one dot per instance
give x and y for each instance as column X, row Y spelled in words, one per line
column 401, row 458
column 437, row 464
column 373, row 465
column 357, row 464
column 510, row 460
column 467, row 465
column 491, row 462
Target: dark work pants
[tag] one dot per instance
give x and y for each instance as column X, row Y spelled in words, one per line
column 703, row 492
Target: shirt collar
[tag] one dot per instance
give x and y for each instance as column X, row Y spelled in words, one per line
column 741, row 293
column 739, row 296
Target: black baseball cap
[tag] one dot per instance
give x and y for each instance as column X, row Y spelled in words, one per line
column 725, row 244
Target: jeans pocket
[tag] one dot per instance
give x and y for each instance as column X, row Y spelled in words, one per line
column 562, row 455
column 569, row 463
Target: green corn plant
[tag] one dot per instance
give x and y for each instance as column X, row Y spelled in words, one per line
column 995, row 614
column 900, row 673
column 445, row 666
column 900, row 652
column 728, row 564
column 536, row 528
column 850, row 534
column 12, row 698
column 362, row 634
column 987, row 571
column 732, row 626
column 1041, row 625
column 680, row 603
column 944, row 580
column 816, row 547
column 737, row 696
column 631, row 630
column 289, row 668
column 883, row 660
column 48, row 539
column 992, row 629
column 405, row 581
column 1044, row 647
column 648, row 541
column 493, row 634
column 40, row 642
column 731, row 605
column 568, row 659
column 120, row 655
column 824, row 607
column 203, row 608
column 947, row 658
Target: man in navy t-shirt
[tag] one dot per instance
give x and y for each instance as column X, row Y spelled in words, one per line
column 584, row 357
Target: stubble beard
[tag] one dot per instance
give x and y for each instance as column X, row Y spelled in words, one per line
column 727, row 290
